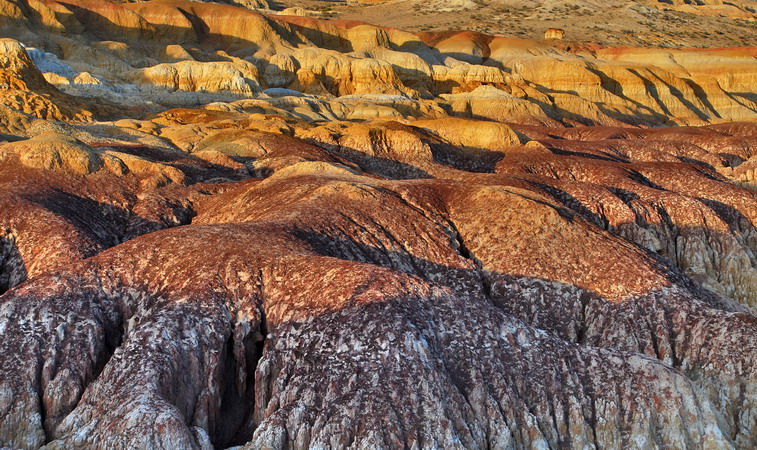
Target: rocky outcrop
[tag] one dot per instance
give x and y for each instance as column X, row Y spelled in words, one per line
column 554, row 33
column 24, row 89
column 368, row 238
column 376, row 284
column 150, row 55
column 191, row 82
column 293, row 11
column 251, row 4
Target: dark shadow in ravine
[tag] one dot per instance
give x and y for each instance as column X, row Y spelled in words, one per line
column 196, row 169
column 12, row 267
column 399, row 167
column 100, row 224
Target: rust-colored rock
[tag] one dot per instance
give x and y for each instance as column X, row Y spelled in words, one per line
column 352, row 236
column 496, row 276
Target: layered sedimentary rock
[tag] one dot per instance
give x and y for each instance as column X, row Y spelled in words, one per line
column 376, row 284
column 149, row 55
column 352, row 236
column 23, row 88
column 554, row 33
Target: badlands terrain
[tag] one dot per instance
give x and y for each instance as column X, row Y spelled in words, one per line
column 226, row 228
column 660, row 23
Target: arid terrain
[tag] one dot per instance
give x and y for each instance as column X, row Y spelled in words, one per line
column 221, row 228
column 659, row 23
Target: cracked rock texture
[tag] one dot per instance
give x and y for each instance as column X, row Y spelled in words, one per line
column 335, row 243
column 376, row 285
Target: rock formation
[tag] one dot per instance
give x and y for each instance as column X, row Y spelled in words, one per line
column 554, row 33
column 168, row 53
column 657, row 23
column 226, row 229
column 587, row 288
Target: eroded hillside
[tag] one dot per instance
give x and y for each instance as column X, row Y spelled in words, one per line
column 220, row 228
column 659, row 23
column 143, row 57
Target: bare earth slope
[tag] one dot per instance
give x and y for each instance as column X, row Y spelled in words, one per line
column 659, row 23
column 150, row 55
column 578, row 290
column 220, row 228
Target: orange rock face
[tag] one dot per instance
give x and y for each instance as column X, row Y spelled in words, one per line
column 554, row 33
column 151, row 55
column 279, row 232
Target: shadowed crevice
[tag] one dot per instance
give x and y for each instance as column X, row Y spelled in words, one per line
column 12, row 267
column 243, row 352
